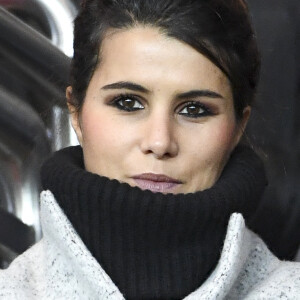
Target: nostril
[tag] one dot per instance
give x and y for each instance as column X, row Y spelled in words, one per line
column 160, row 151
column 159, row 139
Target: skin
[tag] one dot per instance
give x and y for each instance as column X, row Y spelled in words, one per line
column 162, row 136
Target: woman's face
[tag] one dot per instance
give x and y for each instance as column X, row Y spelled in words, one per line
column 157, row 114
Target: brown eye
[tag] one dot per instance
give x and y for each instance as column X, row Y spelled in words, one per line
column 194, row 110
column 127, row 103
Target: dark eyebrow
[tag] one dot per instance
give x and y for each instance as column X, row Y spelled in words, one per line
column 138, row 88
column 125, row 85
column 199, row 93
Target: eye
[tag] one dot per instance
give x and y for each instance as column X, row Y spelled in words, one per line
column 194, row 110
column 127, row 103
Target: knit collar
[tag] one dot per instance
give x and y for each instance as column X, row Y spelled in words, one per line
column 153, row 246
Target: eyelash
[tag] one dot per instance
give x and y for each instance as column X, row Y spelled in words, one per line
column 116, row 103
column 198, row 105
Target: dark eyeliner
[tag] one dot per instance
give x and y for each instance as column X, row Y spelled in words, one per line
column 115, row 102
column 207, row 111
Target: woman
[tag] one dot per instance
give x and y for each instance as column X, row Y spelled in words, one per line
column 152, row 204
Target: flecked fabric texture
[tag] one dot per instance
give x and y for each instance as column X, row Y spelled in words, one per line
column 61, row 267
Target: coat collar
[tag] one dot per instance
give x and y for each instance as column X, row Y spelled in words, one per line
column 234, row 254
column 58, row 230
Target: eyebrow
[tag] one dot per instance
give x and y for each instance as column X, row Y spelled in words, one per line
column 126, row 85
column 138, row 88
column 200, row 93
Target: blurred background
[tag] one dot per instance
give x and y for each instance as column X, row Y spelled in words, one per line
column 35, row 51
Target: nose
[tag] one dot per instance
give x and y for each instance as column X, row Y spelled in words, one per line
column 159, row 137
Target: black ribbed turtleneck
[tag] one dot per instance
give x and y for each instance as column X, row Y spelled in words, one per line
column 153, row 246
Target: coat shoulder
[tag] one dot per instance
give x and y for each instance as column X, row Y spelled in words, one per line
column 21, row 279
column 264, row 276
column 282, row 283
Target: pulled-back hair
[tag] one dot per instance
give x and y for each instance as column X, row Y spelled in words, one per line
column 219, row 29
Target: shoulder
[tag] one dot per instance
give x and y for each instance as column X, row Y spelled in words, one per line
column 21, row 280
column 282, row 283
column 266, row 277
column 57, row 267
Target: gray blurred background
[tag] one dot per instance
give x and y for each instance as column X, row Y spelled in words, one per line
column 35, row 50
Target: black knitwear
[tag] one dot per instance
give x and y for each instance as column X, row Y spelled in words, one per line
column 153, row 246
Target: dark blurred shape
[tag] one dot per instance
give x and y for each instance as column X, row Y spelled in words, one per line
column 33, row 123
column 19, row 236
column 275, row 125
column 31, row 13
column 53, row 19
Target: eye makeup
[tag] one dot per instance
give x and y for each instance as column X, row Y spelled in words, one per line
column 190, row 109
column 194, row 109
column 126, row 102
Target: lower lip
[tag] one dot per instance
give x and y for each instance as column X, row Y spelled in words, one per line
column 155, row 186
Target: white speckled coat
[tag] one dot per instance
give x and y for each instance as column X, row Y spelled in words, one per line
column 61, row 267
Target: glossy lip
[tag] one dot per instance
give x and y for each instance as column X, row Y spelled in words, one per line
column 155, row 182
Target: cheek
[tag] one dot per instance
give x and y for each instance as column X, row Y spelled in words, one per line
column 214, row 143
column 98, row 130
column 224, row 135
column 102, row 142
column 105, row 135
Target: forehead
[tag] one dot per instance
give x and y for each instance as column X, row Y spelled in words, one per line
column 147, row 55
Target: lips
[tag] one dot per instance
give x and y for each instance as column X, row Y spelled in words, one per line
column 155, row 182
